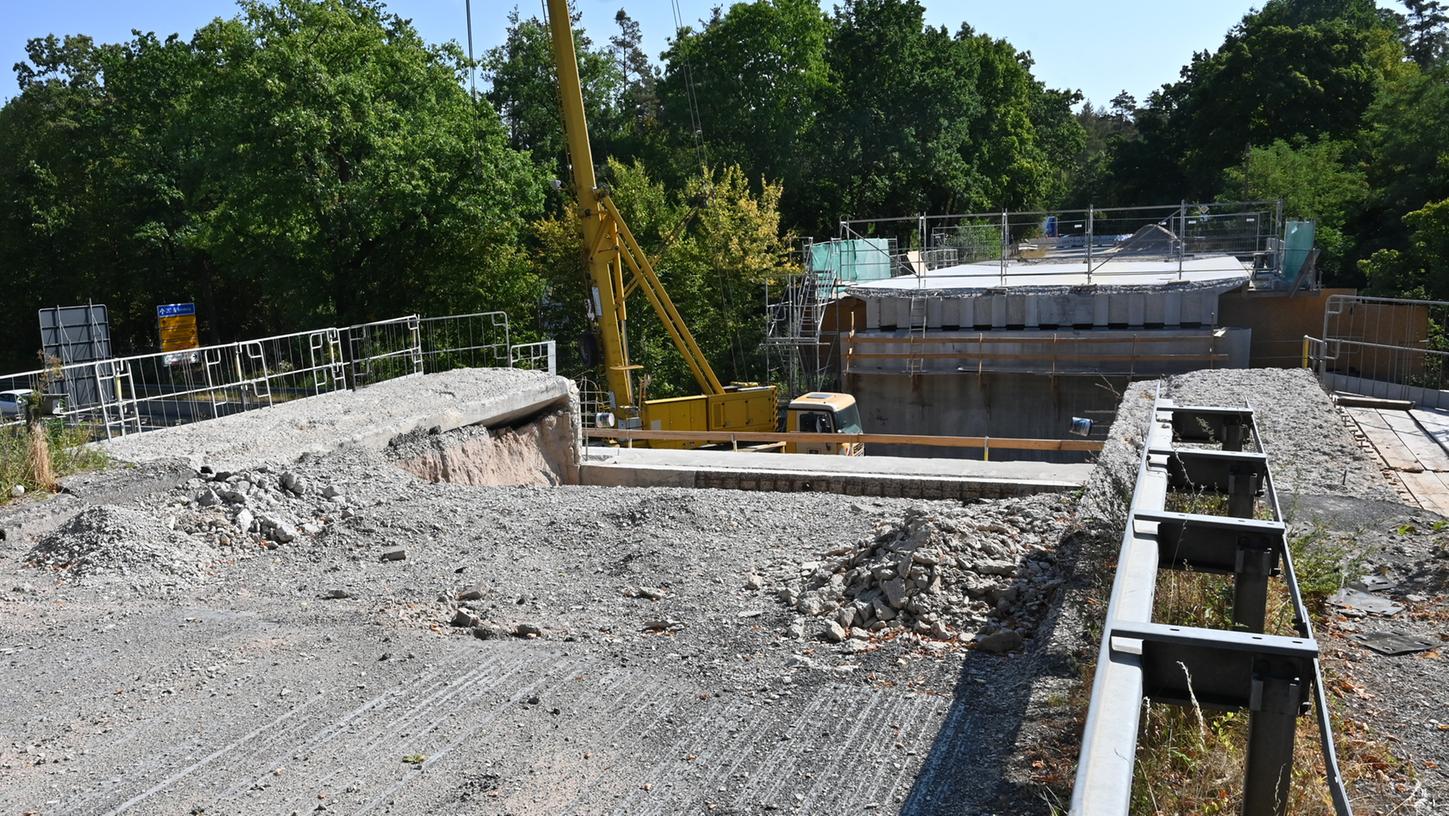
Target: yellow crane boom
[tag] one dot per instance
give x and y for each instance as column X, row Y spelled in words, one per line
column 616, row 262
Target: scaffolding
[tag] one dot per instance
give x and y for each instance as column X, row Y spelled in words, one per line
column 797, row 347
column 991, row 247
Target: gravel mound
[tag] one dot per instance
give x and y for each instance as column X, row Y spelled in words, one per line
column 983, row 573
column 106, row 541
column 1303, row 432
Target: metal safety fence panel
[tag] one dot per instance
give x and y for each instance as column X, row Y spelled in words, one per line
column 130, row 394
column 1275, row 678
column 477, row 340
column 541, row 356
column 384, row 350
column 1393, row 348
column 123, row 395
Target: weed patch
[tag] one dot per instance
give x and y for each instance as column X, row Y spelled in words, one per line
column 35, row 460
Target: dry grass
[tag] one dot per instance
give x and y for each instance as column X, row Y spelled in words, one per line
column 36, row 458
column 42, row 472
column 1190, row 761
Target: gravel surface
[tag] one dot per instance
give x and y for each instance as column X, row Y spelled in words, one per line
column 1303, row 433
column 368, row 642
column 355, row 639
column 1402, row 554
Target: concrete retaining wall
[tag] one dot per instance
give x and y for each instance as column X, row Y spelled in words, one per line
column 798, row 481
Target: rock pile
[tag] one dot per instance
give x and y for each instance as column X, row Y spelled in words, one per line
column 982, row 575
column 257, row 506
column 106, row 541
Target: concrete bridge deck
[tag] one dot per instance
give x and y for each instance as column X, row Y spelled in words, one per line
column 851, row 475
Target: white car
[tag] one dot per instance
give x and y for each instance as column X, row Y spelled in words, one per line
column 12, row 403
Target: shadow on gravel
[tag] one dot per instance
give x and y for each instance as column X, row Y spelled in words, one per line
column 973, row 766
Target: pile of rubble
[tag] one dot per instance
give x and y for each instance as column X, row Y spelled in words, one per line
column 183, row 532
column 257, row 507
column 117, row 542
column 983, row 576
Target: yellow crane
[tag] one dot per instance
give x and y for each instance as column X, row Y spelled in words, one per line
column 618, row 267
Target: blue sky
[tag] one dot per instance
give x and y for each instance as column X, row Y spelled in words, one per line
column 1099, row 47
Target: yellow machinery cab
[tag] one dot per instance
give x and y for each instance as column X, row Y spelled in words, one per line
column 824, row 412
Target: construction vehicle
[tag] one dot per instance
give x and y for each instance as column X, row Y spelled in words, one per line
column 618, row 266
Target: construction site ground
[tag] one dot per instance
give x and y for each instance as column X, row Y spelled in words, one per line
column 545, row 648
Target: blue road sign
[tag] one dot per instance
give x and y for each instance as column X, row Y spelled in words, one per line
column 175, row 309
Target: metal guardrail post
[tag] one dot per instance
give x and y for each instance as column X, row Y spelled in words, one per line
column 1279, row 696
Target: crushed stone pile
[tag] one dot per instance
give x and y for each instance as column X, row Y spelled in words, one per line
column 118, row 542
column 982, row 574
column 258, row 507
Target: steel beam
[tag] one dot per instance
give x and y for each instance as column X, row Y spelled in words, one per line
column 1269, row 676
column 1207, row 423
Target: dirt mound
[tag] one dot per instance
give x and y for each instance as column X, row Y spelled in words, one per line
column 540, row 453
column 116, row 542
column 983, row 574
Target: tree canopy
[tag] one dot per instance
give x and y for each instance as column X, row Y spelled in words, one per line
column 309, row 162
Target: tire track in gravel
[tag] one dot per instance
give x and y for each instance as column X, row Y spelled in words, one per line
column 518, row 695
column 362, row 748
column 382, row 701
column 870, row 712
column 208, row 759
column 715, row 720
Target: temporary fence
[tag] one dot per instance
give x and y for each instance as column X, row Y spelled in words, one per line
column 123, row 395
column 477, row 340
column 540, row 356
column 1275, row 678
column 1393, row 348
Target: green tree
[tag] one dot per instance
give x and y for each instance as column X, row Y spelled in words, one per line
column 308, row 162
column 919, row 120
column 1407, row 136
column 1426, row 32
column 715, row 243
column 1422, row 269
column 745, row 89
column 524, row 88
column 1316, row 181
column 1297, row 69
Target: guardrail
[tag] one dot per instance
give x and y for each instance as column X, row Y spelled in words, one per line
column 1271, row 676
column 733, row 438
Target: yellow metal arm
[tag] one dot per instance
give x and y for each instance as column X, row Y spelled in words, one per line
column 601, row 241
column 609, row 243
column 663, row 306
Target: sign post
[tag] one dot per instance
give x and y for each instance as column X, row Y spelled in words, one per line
column 177, row 326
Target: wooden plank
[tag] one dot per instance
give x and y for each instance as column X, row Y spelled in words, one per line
column 1430, row 454
column 1390, row 448
column 1431, row 493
